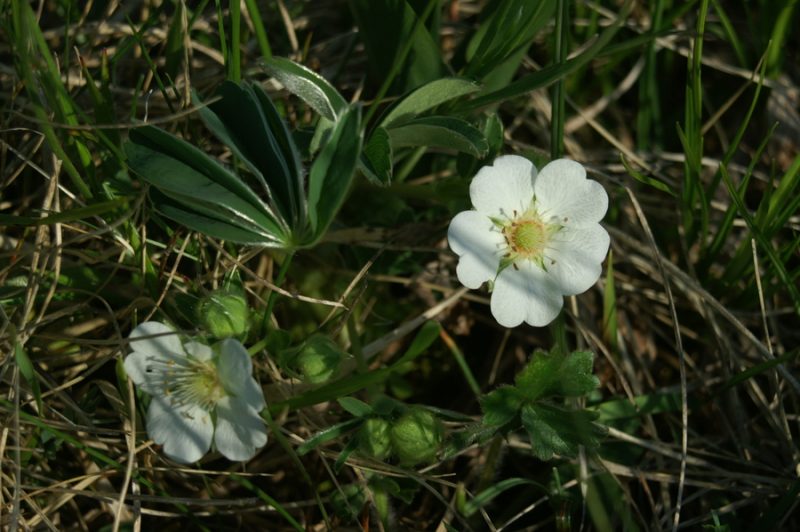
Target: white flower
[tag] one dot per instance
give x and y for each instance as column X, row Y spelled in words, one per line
column 198, row 394
column 537, row 237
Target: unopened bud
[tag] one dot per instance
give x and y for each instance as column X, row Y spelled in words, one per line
column 318, row 359
column 224, row 314
column 416, row 437
column 374, row 438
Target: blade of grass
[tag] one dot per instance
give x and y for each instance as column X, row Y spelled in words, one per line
column 551, row 74
column 261, row 31
column 558, row 111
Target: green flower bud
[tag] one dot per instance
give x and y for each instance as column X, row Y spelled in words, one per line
column 224, row 314
column 318, row 359
column 416, row 437
column 374, row 438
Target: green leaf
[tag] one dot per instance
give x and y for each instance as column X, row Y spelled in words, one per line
column 556, row 430
column 245, row 119
column 308, row 86
column 376, row 162
column 552, row 73
column 440, row 132
column 158, row 140
column 355, row 406
column 197, row 192
column 71, row 215
column 427, row 97
column 208, row 225
column 508, row 30
column 332, row 171
column 555, row 373
column 427, row 334
column 647, row 180
column 331, row 433
column 501, row 406
column 489, row 494
column 385, row 28
column 28, row 372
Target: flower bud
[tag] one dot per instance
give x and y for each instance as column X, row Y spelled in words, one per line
column 224, row 314
column 318, row 359
column 374, row 438
column 416, row 437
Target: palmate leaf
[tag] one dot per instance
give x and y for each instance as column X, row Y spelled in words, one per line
column 201, row 203
column 245, row 119
column 555, row 430
column 332, row 171
column 555, row 373
column 426, row 98
column 440, row 132
column 206, row 224
column 376, row 162
column 308, row 86
column 501, row 406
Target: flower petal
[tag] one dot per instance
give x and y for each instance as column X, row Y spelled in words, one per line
column 526, row 294
column 574, row 257
column 562, row 190
column 240, row 431
column 235, row 373
column 185, row 431
column 504, row 187
column 154, row 338
column 146, row 370
column 480, row 245
column 199, row 351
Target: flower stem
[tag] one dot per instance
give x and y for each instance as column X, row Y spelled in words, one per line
column 273, row 296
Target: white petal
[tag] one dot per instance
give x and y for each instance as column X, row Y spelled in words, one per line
column 240, row 431
column 199, row 351
column 504, row 187
column 185, row 431
column 562, row 190
column 163, row 339
column 480, row 245
column 147, row 370
column 574, row 257
column 528, row 294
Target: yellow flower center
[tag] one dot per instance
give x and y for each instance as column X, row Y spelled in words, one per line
column 190, row 381
column 527, row 237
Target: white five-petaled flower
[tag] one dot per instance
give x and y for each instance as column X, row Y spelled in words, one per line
column 537, row 237
column 199, row 393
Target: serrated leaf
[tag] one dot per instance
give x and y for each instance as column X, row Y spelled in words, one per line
column 501, row 406
column 308, row 86
column 427, row 97
column 569, row 375
column 440, row 132
column 376, row 162
column 332, row 171
column 555, row 430
column 355, row 406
